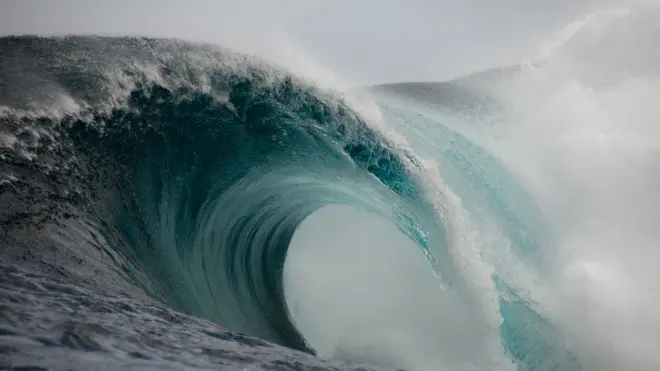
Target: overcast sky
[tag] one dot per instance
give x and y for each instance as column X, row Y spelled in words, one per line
column 359, row 41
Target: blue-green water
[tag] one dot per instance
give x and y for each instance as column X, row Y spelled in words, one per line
column 208, row 183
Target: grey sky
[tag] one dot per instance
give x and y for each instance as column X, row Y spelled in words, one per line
column 360, row 41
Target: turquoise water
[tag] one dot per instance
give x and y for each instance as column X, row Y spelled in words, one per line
column 446, row 232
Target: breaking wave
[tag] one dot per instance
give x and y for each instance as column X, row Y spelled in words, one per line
column 501, row 221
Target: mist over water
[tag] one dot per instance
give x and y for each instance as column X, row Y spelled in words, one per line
column 587, row 122
column 578, row 132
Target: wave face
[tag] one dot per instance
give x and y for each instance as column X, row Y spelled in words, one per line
column 184, row 171
column 160, row 199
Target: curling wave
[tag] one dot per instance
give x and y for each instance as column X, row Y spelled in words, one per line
column 143, row 178
column 196, row 166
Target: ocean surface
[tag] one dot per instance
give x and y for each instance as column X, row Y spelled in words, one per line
column 168, row 205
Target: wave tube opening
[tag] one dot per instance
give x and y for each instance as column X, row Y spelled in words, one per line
column 358, row 289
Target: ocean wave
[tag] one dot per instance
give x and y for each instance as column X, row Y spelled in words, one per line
column 173, row 205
